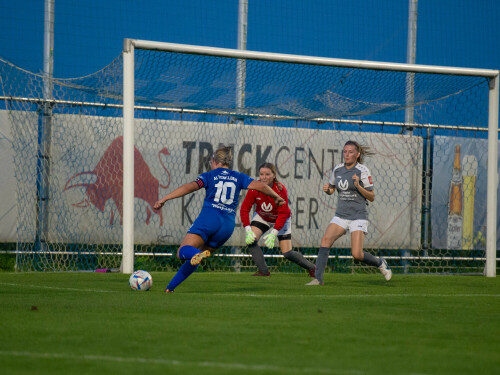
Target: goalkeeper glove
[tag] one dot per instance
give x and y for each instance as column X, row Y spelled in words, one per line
column 250, row 235
column 271, row 238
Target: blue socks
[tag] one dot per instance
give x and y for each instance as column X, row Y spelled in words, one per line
column 185, row 253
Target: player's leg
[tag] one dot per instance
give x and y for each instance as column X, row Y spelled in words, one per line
column 258, row 255
column 208, row 225
column 218, row 231
column 358, row 230
column 357, row 241
column 259, row 226
column 334, row 231
column 294, row 256
column 188, row 249
column 190, row 241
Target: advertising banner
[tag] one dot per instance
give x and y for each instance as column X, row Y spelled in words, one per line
column 458, row 204
column 87, row 166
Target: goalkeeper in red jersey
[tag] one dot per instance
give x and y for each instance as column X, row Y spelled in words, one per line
column 269, row 216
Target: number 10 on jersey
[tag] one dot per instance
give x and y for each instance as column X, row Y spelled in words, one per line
column 221, row 195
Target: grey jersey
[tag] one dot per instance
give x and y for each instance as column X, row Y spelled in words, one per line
column 351, row 204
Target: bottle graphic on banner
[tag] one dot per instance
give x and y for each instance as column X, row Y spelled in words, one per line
column 469, row 174
column 455, row 218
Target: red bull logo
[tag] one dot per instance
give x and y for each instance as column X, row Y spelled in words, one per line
column 107, row 181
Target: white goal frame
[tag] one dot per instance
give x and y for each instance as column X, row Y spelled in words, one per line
column 129, row 46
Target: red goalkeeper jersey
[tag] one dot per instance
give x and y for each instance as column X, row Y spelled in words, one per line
column 265, row 207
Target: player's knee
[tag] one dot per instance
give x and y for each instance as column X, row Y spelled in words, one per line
column 327, row 242
column 358, row 256
column 187, row 252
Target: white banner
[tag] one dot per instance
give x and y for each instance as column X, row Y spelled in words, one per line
column 8, row 207
column 86, row 183
column 304, row 159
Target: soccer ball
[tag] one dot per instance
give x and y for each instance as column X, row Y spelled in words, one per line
column 140, row 280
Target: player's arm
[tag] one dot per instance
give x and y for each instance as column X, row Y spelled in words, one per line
column 283, row 211
column 246, row 207
column 283, row 215
column 329, row 189
column 263, row 188
column 368, row 194
column 177, row 193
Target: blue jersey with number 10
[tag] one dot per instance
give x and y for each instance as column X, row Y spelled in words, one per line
column 215, row 223
column 223, row 189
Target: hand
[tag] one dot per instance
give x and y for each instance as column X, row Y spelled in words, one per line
column 158, row 204
column 271, row 238
column 279, row 201
column 356, row 180
column 250, row 235
column 326, row 188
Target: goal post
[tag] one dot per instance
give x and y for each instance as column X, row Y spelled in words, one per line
column 130, row 45
column 128, row 157
column 492, row 223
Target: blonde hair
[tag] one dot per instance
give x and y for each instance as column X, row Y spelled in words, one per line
column 273, row 169
column 223, row 155
column 363, row 150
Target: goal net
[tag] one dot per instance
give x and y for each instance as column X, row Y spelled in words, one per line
column 428, row 132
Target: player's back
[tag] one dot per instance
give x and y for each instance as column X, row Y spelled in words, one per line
column 223, row 189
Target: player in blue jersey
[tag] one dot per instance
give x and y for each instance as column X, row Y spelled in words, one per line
column 353, row 182
column 215, row 223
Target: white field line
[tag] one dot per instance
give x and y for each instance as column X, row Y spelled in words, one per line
column 406, row 295
column 58, row 288
column 173, row 362
column 252, row 295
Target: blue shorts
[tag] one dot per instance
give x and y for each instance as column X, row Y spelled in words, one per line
column 214, row 227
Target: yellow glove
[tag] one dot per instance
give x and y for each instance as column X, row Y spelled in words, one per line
column 250, row 235
column 271, row 238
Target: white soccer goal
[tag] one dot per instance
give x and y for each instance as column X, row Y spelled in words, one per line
column 91, row 161
column 319, row 93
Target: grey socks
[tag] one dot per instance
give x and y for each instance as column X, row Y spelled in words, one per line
column 371, row 260
column 298, row 259
column 293, row 256
column 258, row 257
column 321, row 262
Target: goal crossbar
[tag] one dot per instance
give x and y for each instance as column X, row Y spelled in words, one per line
column 308, row 60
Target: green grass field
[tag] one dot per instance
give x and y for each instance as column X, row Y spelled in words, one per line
column 229, row 323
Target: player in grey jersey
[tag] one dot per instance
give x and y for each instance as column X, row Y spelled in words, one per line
column 353, row 182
